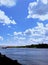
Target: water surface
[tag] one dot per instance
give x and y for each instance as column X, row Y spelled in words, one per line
column 27, row 56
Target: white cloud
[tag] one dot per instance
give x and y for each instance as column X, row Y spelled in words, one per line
column 22, row 38
column 1, row 38
column 38, row 34
column 35, row 35
column 9, row 35
column 38, row 10
column 17, row 33
column 44, row 1
column 5, row 19
column 8, row 3
column 28, row 32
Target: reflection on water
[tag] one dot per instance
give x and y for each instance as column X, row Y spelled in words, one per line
column 27, row 56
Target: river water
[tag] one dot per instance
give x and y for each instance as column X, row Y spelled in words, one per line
column 27, row 56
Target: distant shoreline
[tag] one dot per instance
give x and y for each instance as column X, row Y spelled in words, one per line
column 28, row 46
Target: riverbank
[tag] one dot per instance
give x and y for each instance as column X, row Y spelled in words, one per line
column 43, row 45
column 7, row 61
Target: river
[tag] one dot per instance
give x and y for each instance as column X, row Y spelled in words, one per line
column 27, row 56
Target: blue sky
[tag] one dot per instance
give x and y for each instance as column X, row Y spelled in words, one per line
column 23, row 22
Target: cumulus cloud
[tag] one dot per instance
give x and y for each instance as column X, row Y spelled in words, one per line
column 7, row 3
column 43, row 1
column 17, row 33
column 38, row 10
column 1, row 38
column 38, row 34
column 4, row 19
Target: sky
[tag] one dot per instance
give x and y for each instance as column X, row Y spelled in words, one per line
column 23, row 22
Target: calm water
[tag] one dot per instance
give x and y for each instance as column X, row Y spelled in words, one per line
column 27, row 56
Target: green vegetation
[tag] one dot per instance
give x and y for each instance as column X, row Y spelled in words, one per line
column 29, row 46
column 35, row 46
